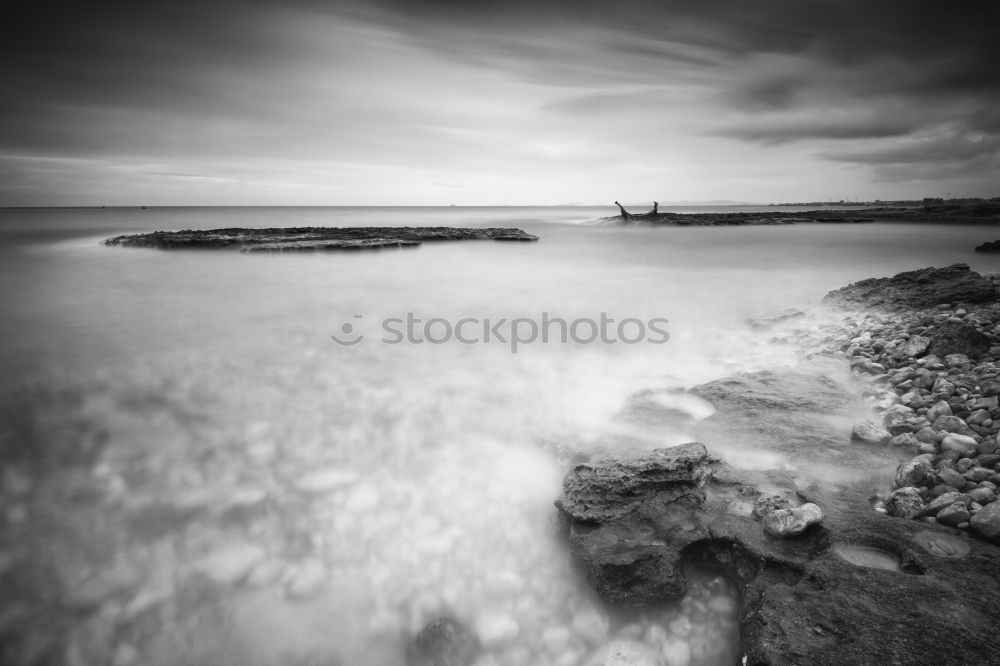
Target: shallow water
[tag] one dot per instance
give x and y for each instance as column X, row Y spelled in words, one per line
column 176, row 418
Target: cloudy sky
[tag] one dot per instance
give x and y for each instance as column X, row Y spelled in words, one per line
column 469, row 102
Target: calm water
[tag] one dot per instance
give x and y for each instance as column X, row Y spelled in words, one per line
column 177, row 418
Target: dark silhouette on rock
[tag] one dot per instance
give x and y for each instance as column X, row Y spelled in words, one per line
column 624, row 213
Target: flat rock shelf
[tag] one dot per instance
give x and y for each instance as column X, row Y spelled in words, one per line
column 298, row 239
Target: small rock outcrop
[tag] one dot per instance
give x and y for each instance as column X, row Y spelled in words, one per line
column 297, row 239
column 922, row 288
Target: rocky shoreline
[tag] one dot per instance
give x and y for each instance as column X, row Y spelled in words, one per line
column 829, row 573
column 298, row 239
column 951, row 214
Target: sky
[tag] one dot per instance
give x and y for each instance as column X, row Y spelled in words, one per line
column 482, row 102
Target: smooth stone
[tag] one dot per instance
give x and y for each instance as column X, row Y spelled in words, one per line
column 556, row 640
column 327, row 480
column 954, row 514
column 962, row 444
column 939, row 503
column 362, row 499
column 869, row 433
column 590, row 625
column 496, row 629
column 305, row 580
column 983, row 495
column 784, row 523
column 677, row 652
column 986, row 522
column 938, row 409
column 230, row 564
column 951, row 478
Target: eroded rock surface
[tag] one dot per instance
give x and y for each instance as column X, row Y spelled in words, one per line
column 922, row 288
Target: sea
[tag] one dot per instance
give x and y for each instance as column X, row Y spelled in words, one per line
column 212, row 457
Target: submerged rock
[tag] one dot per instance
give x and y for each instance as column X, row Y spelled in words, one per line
column 624, row 652
column 230, row 564
column 443, row 642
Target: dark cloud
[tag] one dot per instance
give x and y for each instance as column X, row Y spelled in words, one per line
column 229, row 78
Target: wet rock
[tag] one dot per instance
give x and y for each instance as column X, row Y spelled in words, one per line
column 869, row 433
column 939, row 408
column 765, row 504
column 916, row 346
column 952, row 424
column 954, row 514
column 986, row 523
column 623, row 652
column 904, row 503
column 951, row 478
column 786, row 523
column 906, row 439
column 959, row 338
column 983, row 495
column 771, row 320
column 921, row 288
column 611, row 488
column 946, row 500
column 443, row 642
column 961, row 444
column 917, row 472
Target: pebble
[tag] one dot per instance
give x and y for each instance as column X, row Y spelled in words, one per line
column 591, row 626
column 496, row 629
column 305, row 580
column 230, row 564
column 327, row 480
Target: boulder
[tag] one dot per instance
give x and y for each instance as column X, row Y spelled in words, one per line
column 953, row 337
column 613, row 487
